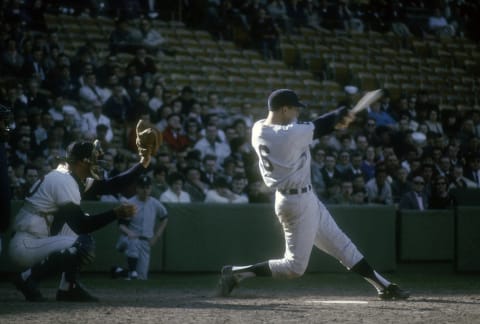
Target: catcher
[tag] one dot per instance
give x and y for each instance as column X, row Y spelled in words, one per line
column 52, row 233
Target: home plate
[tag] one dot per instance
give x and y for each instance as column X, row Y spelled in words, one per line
column 358, row 302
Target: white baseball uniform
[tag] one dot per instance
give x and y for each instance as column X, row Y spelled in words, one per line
column 142, row 224
column 32, row 241
column 284, row 160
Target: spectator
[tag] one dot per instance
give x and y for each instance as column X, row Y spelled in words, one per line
column 441, row 198
column 459, row 181
column 239, row 185
column 90, row 121
column 329, row 170
column 355, row 167
column 135, row 87
column 174, row 136
column 35, row 98
column 216, row 120
column 210, row 169
column 438, row 24
column 278, row 11
column 472, row 169
column 12, row 59
column 90, row 92
column 344, row 164
column 156, row 101
column 433, row 122
column 416, row 198
column 296, row 14
column 215, row 110
column 427, row 171
column 265, row 33
column 368, row 163
column 400, row 184
column 210, row 144
column 122, row 38
column 379, row 190
column 175, row 192
column 369, row 131
column 346, row 193
column 143, row 64
column 117, row 106
column 194, row 185
column 187, row 99
column 347, row 18
column 333, row 194
column 159, row 183
column 381, row 117
column 192, row 130
column 30, row 176
column 245, row 114
column 21, row 153
column 152, row 40
column 221, row 193
column 34, row 67
column 397, row 17
column 318, row 162
column 63, row 82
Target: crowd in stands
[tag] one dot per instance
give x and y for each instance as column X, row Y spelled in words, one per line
column 393, row 151
column 259, row 23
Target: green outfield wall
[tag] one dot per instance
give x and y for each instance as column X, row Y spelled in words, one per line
column 204, row 237
column 427, row 235
column 468, row 239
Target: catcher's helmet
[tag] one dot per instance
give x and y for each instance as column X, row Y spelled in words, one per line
column 88, row 152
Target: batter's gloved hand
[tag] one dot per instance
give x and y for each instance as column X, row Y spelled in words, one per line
column 125, row 211
column 148, row 140
column 345, row 120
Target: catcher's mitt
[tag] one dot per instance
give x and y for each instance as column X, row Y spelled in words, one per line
column 148, row 138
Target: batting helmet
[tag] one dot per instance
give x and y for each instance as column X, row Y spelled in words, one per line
column 283, row 97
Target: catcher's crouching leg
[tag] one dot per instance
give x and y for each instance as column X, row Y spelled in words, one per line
column 70, row 289
column 69, row 261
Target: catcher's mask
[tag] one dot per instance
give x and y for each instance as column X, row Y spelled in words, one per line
column 90, row 153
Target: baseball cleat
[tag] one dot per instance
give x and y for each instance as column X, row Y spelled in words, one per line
column 393, row 292
column 133, row 275
column 227, row 282
column 75, row 294
column 29, row 289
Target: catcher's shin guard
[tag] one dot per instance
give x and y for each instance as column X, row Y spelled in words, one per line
column 69, row 260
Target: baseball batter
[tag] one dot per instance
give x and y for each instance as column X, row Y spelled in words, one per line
column 52, row 231
column 283, row 148
column 138, row 234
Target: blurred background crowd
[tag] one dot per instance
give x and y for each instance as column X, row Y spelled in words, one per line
column 403, row 150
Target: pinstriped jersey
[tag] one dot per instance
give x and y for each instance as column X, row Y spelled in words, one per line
column 147, row 213
column 284, row 153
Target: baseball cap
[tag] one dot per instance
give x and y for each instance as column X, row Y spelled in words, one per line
column 283, row 97
column 144, row 181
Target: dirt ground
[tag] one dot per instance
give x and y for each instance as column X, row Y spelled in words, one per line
column 314, row 298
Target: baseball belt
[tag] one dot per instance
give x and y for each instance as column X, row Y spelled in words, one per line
column 31, row 209
column 295, row 191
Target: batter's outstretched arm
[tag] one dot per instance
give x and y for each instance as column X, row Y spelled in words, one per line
column 325, row 123
column 117, row 183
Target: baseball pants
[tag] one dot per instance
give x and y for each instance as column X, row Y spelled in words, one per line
column 27, row 249
column 140, row 250
column 307, row 222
